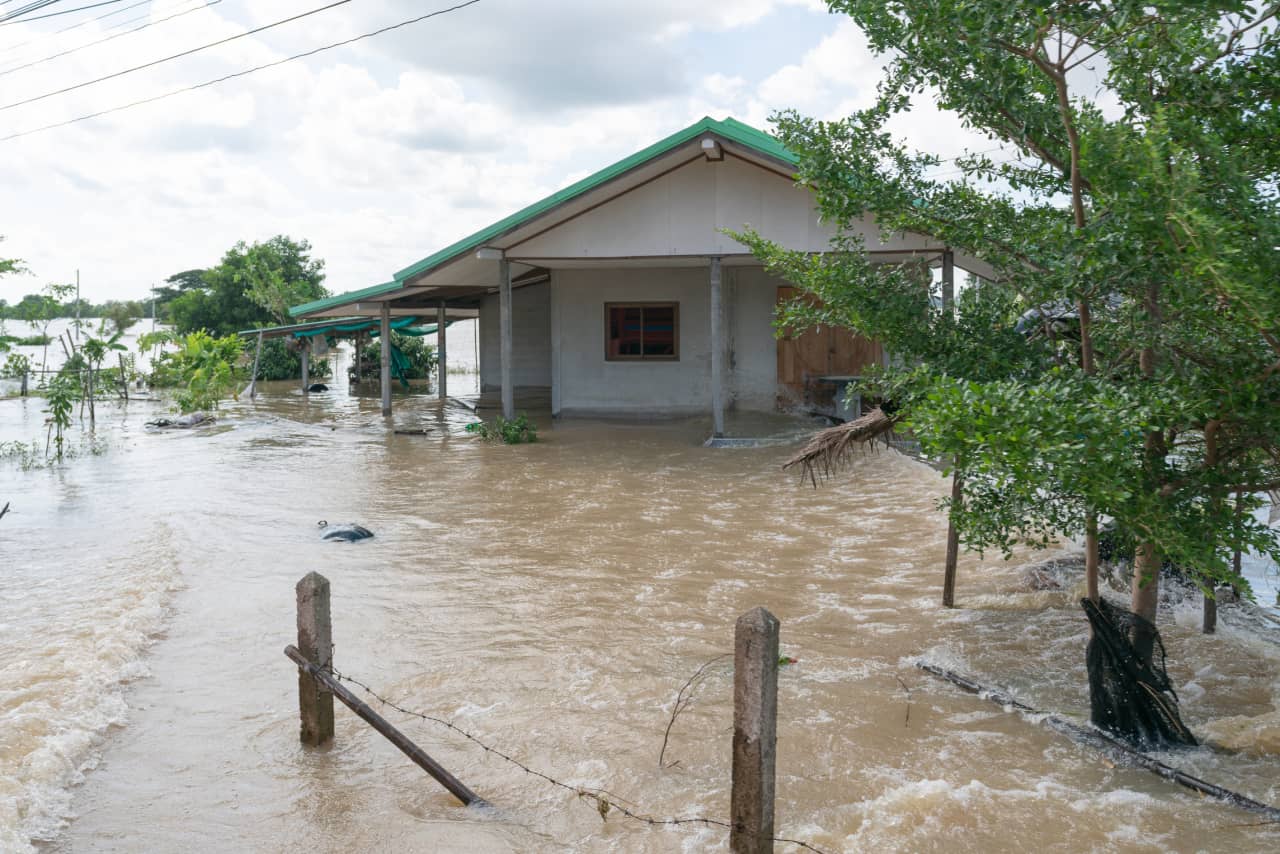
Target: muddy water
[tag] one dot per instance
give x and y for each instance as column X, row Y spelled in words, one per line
column 552, row 599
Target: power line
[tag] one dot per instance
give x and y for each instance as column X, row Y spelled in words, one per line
column 64, row 11
column 244, row 73
column 79, row 24
column 70, row 51
column 34, row 6
column 189, row 52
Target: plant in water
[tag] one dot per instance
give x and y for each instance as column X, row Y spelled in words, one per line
column 15, row 365
column 62, row 393
column 511, row 432
column 203, row 366
column 95, row 350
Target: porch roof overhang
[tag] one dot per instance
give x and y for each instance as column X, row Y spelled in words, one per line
column 347, row 325
column 458, row 276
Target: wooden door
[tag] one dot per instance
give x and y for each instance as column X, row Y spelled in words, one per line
column 821, row 351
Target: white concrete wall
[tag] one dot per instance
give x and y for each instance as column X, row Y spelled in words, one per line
column 584, row 382
column 530, row 334
column 683, row 212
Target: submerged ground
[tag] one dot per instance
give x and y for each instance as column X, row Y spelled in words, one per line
column 552, row 599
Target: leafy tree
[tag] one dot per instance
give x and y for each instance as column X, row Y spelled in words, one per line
column 1136, row 231
column 120, row 314
column 254, row 285
column 174, row 287
column 279, row 274
column 9, row 266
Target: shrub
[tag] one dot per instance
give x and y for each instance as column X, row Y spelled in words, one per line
column 514, row 432
column 203, row 367
column 15, row 365
column 278, row 362
column 421, row 355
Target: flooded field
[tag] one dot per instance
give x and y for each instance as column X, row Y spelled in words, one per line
column 552, row 599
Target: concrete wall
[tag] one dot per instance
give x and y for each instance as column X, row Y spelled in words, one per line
column 684, row 212
column 530, row 338
column 584, row 382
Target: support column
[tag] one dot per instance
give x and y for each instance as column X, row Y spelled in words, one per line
column 717, row 352
column 385, row 374
column 257, row 357
column 504, row 334
column 306, row 365
column 948, row 280
column 442, row 354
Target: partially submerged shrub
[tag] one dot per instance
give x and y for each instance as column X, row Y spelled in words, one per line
column 513, row 432
column 203, row 367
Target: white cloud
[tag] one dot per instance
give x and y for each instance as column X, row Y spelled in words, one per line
column 382, row 152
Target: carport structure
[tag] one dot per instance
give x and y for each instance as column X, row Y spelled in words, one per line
column 357, row 327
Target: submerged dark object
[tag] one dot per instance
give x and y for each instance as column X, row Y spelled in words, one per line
column 345, row 533
column 182, row 422
column 317, row 387
column 1129, row 691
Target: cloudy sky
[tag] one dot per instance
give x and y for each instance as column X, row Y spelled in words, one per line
column 385, row 150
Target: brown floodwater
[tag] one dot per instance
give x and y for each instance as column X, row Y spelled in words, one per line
column 552, row 599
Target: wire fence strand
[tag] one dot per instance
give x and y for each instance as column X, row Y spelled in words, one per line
column 605, row 801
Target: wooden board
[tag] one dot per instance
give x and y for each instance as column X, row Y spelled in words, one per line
column 822, row 351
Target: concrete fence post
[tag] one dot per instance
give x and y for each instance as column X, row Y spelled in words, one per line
column 25, row 374
column 755, row 719
column 315, row 642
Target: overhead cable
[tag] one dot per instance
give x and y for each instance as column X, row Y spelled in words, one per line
column 113, row 75
column 108, row 38
column 244, row 73
column 63, row 12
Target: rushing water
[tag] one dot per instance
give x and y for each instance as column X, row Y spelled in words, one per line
column 552, row 599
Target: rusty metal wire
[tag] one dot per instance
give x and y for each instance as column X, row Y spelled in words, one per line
column 600, row 797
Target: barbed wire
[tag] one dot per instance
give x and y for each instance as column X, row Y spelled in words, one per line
column 600, row 797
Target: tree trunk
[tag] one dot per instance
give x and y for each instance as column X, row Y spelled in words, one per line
column 1144, row 596
column 1091, row 555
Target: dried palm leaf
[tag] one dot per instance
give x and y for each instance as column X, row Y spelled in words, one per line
column 830, row 449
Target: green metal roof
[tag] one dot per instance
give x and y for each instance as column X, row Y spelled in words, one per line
column 730, row 129
column 343, row 299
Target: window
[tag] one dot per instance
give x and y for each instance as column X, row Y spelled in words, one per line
column 647, row 331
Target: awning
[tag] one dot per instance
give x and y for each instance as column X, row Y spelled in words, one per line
column 347, row 327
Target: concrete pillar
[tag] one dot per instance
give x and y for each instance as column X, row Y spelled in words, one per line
column 504, row 335
column 948, row 280
column 717, row 352
column 315, row 642
column 442, row 354
column 755, row 726
column 385, row 374
column 306, row 364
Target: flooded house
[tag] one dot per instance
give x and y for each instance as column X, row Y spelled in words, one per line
column 622, row 294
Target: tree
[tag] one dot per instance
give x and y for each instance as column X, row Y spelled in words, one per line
column 9, row 266
column 279, row 274
column 254, row 285
column 1136, row 232
column 121, row 314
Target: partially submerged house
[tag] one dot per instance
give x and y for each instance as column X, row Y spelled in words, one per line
column 623, row 295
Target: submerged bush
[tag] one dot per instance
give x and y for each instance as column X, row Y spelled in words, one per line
column 421, row 355
column 514, row 432
column 203, row 367
column 278, row 362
